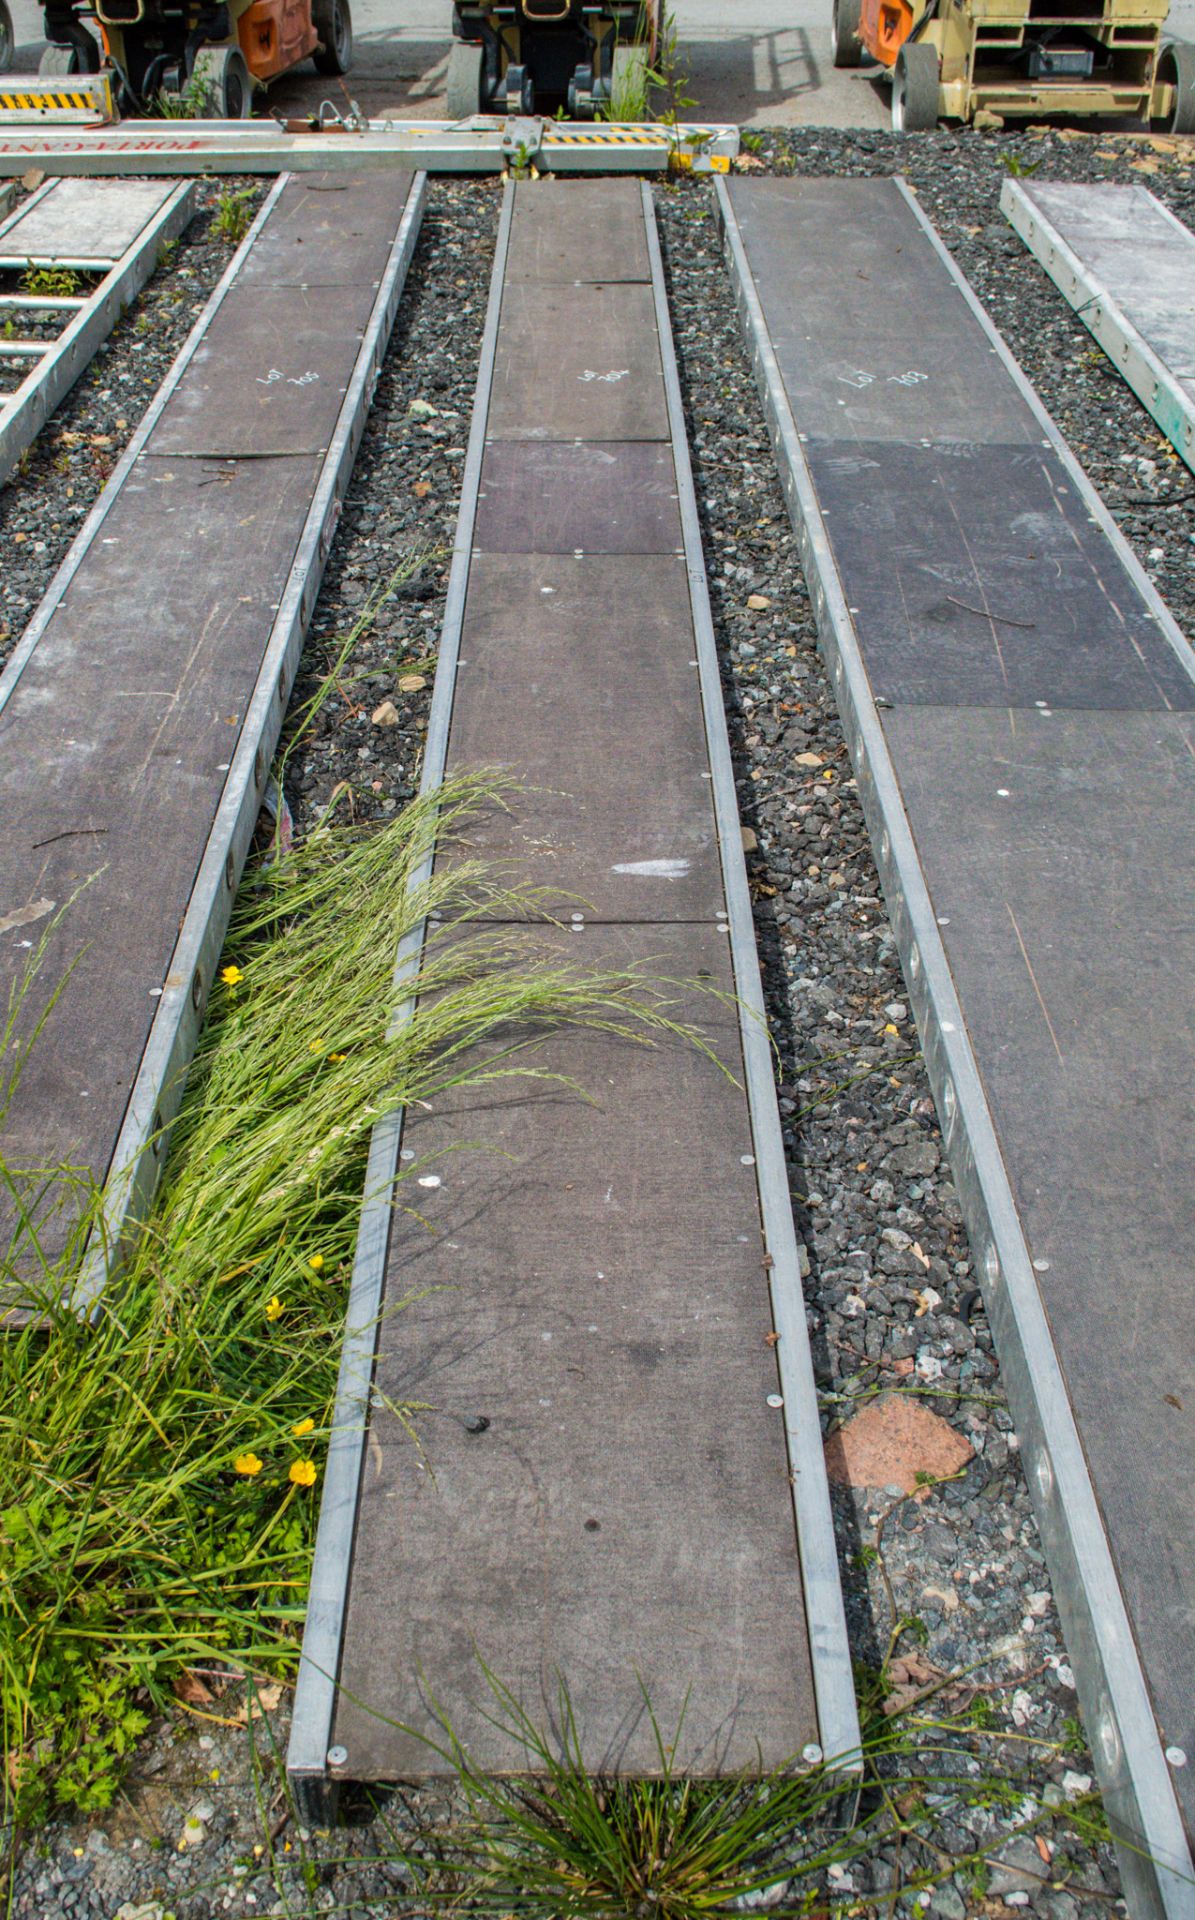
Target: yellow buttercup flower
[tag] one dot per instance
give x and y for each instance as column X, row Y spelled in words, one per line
column 316, row 1263
column 231, row 976
column 274, row 1309
column 302, row 1427
column 247, row 1463
column 302, row 1472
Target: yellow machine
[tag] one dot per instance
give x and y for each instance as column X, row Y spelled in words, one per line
column 541, row 56
column 996, row 59
column 217, row 51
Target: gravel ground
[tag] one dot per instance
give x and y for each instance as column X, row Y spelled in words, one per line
column 893, row 1300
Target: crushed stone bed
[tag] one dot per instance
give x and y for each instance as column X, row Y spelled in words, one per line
column 893, row 1300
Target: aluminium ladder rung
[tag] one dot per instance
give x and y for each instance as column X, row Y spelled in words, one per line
column 44, row 302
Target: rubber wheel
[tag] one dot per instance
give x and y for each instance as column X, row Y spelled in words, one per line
column 80, row 55
column 333, row 21
column 848, row 48
column 56, row 62
column 6, row 37
column 464, row 79
column 224, row 73
column 628, row 84
column 915, row 89
column 1176, row 68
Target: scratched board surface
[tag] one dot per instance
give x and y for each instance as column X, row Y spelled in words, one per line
column 596, row 1487
column 1042, row 728
column 117, row 733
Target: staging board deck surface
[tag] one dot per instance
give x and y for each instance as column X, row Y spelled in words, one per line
column 600, row 721
column 1127, row 266
column 81, row 220
column 120, row 725
column 543, row 243
column 593, row 1276
column 596, row 497
column 578, row 363
column 593, row 1289
column 1023, row 720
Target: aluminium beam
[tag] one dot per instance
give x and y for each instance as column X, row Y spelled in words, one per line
column 1126, row 264
column 1025, row 754
column 436, row 146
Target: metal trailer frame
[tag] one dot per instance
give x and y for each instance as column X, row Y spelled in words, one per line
column 312, row 1762
column 1154, row 1856
column 153, row 1103
column 24, row 412
column 435, row 146
column 1160, row 390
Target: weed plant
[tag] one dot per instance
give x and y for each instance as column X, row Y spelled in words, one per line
column 234, row 214
column 54, row 282
column 560, row 1842
column 159, row 1470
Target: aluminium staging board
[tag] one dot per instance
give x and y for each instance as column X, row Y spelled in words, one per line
column 1127, row 266
column 1020, row 709
column 113, row 229
column 139, row 710
column 615, row 1476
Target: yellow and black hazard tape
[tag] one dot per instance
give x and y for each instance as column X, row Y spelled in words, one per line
column 623, row 137
column 92, row 95
column 46, row 102
column 682, row 156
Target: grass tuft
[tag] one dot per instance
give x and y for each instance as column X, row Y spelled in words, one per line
column 160, row 1471
column 558, row 1842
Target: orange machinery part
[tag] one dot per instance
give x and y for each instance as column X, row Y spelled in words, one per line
column 275, row 35
column 884, row 27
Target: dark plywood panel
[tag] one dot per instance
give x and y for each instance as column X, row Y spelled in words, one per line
column 601, row 498
column 330, row 230
column 978, row 579
column 580, row 677
column 599, row 1299
column 578, row 363
column 570, row 231
column 113, row 751
column 1060, row 855
column 270, row 375
column 878, row 342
